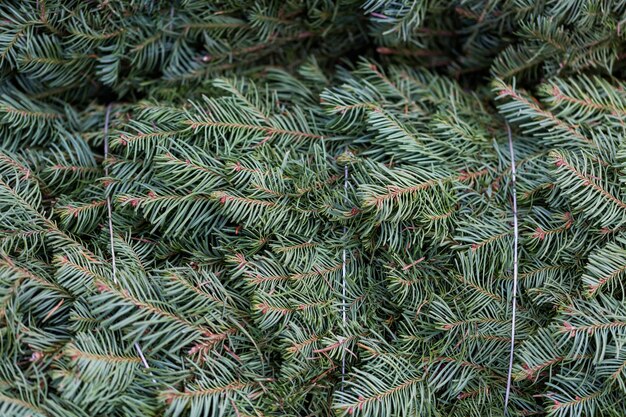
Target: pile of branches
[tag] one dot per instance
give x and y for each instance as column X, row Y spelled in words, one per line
column 307, row 208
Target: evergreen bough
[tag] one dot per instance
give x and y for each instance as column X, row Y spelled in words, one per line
column 304, row 208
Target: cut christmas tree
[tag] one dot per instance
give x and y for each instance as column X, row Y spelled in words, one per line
column 312, row 208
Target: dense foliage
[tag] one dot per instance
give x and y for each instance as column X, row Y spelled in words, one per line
column 304, row 208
